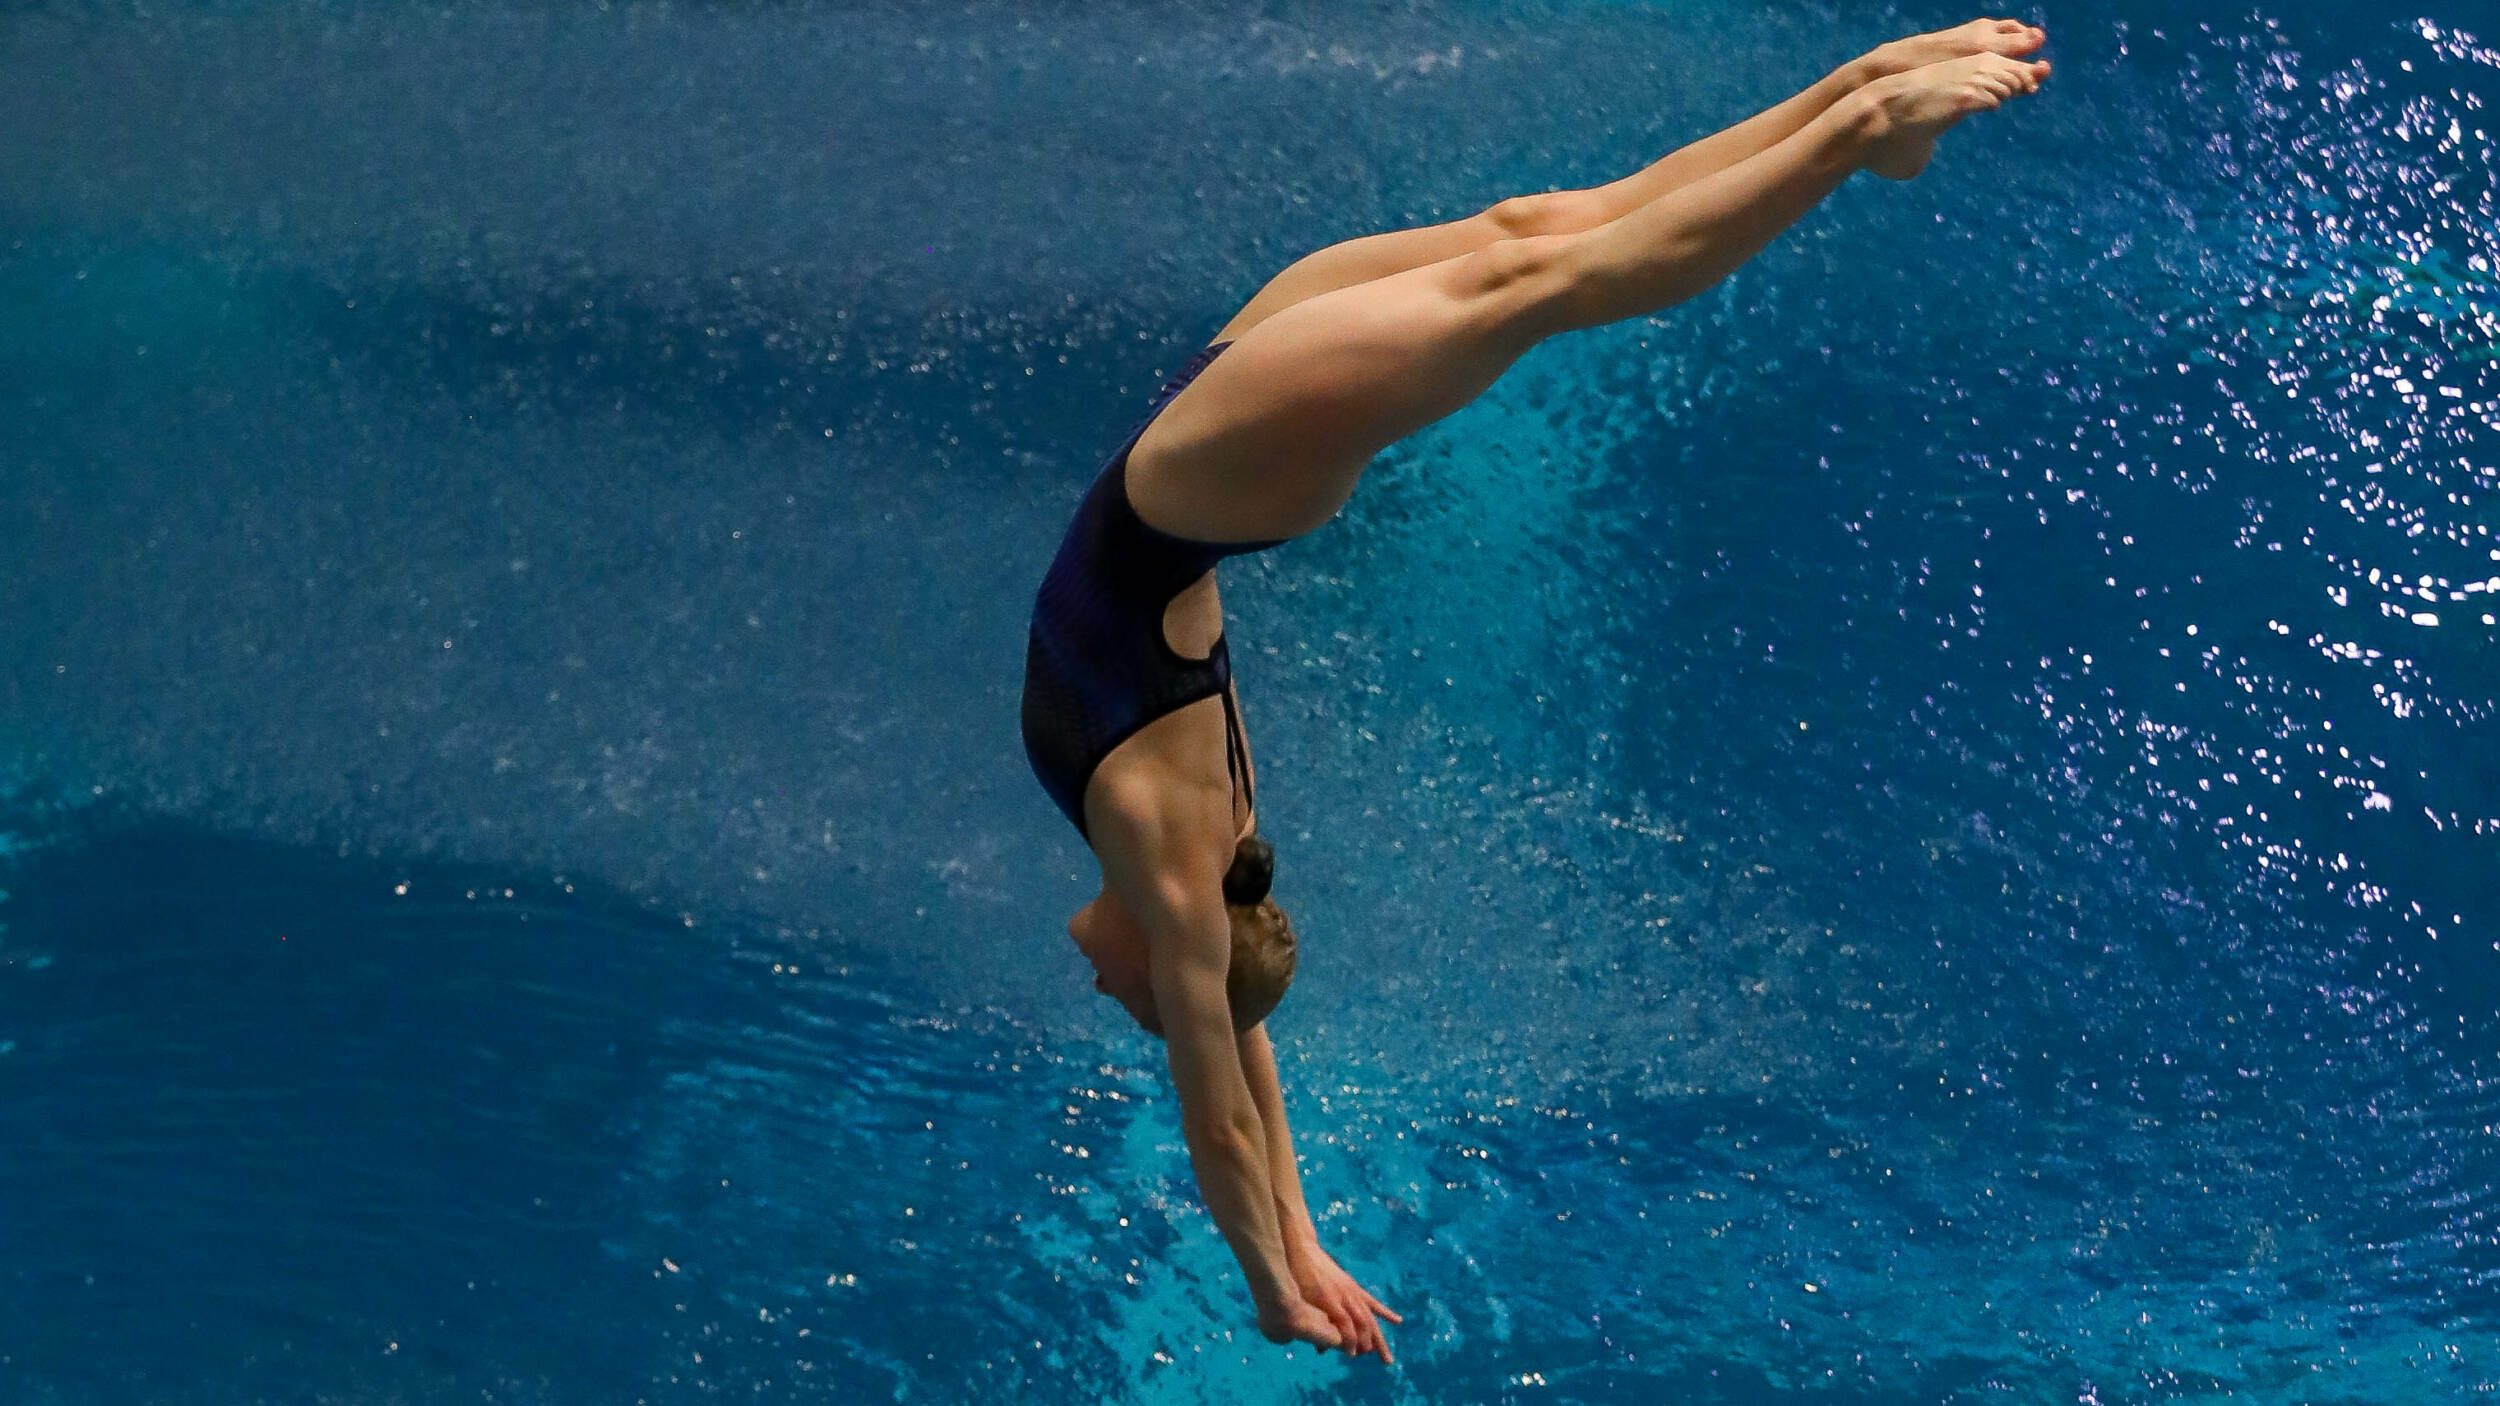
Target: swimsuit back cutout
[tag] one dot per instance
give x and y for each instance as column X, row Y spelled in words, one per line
column 1097, row 667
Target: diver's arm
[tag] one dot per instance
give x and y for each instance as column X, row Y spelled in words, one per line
column 1324, row 1285
column 1284, row 1177
column 1162, row 855
column 1227, row 1144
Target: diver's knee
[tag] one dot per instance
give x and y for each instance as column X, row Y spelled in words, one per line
column 1541, row 213
column 1530, row 284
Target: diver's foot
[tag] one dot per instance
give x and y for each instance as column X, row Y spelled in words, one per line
column 2012, row 38
column 1912, row 109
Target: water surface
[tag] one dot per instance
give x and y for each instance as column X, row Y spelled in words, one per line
column 1919, row 828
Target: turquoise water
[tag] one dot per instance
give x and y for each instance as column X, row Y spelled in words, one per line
column 1917, row 829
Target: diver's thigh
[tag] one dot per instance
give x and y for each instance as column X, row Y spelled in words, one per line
column 1270, row 438
column 1371, row 256
column 1361, row 260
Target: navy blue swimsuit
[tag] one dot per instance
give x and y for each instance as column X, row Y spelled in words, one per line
column 1096, row 666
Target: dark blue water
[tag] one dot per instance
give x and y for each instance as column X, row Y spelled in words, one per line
column 1918, row 829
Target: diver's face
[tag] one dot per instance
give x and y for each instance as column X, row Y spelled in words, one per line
column 1116, row 945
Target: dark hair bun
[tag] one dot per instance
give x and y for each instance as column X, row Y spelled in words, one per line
column 1254, row 869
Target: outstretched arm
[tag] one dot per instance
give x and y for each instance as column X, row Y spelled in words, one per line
column 1284, row 1175
column 1159, row 860
column 1324, row 1285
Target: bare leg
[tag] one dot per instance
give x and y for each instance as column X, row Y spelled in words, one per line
column 1270, row 439
column 1551, row 212
column 1674, row 247
column 1767, row 129
column 1570, row 211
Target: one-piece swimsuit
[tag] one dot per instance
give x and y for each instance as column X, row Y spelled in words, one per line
column 1097, row 667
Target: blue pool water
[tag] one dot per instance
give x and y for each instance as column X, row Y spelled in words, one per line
column 1919, row 829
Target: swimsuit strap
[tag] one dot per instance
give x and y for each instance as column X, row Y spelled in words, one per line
column 1237, row 753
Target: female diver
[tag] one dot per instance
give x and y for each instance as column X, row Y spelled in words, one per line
column 1130, row 716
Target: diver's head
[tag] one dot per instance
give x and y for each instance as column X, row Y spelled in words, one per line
column 1263, row 954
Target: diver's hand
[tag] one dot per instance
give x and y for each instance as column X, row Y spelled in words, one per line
column 1347, row 1305
column 1291, row 1319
